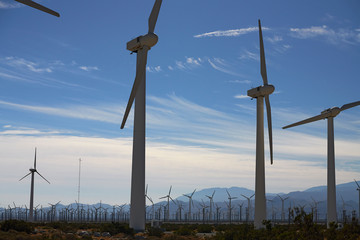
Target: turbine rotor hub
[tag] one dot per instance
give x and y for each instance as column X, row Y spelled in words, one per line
column 333, row 112
column 148, row 40
column 261, row 91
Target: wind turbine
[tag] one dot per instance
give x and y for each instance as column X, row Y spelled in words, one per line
column 358, row 189
column 168, row 202
column 249, row 204
column 331, row 185
column 180, row 207
column 39, row 7
column 282, row 207
column 260, row 93
column 316, row 208
column 230, row 208
column 211, row 198
column 32, row 172
column 152, row 206
column 140, row 45
column 190, row 202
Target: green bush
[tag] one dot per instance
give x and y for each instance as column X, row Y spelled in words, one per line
column 20, row 226
column 157, row 232
column 115, row 228
column 184, row 231
column 204, row 228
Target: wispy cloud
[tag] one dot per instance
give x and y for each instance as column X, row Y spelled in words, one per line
column 221, row 65
column 241, row 96
column 89, row 68
column 240, row 81
column 32, row 66
column 343, row 35
column 153, row 69
column 12, row 76
column 6, row 5
column 228, row 33
column 274, row 39
column 103, row 114
column 249, row 55
column 188, row 63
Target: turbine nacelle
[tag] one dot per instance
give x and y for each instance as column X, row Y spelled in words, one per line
column 149, row 40
column 331, row 112
column 261, row 91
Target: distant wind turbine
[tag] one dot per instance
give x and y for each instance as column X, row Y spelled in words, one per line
column 211, row 198
column 152, row 206
column 282, row 207
column 329, row 114
column 190, row 202
column 229, row 205
column 249, row 204
column 39, row 7
column 358, row 189
column 168, row 203
column 316, row 208
column 260, row 93
column 140, row 45
column 32, row 172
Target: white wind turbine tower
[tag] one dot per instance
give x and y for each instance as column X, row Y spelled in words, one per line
column 282, row 207
column 358, row 189
column 140, row 45
column 32, row 172
column 39, row 7
column 168, row 202
column 249, row 203
column 230, row 208
column 152, row 206
column 260, row 93
column 331, row 185
column 211, row 198
column 190, row 202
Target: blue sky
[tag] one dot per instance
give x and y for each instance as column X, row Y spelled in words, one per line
column 65, row 83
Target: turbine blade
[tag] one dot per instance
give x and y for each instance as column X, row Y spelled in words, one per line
column 213, row 194
column 39, row 7
column 349, row 105
column 262, row 57
column 25, row 176
column 163, row 197
column 193, row 192
column 228, row 193
column 170, row 190
column 42, row 177
column 357, row 183
column 252, row 195
column 308, row 120
column 35, row 160
column 140, row 71
column 146, row 190
column 173, row 200
column 268, row 110
column 154, row 15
